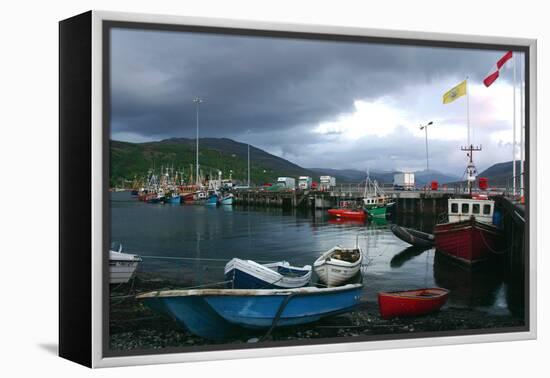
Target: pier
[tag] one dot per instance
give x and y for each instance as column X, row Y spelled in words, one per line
column 408, row 202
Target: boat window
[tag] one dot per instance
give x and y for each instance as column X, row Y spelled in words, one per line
column 465, row 208
column 454, row 208
column 475, row 208
column 486, row 209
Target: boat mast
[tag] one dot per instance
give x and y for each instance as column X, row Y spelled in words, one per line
column 471, row 168
column 197, row 101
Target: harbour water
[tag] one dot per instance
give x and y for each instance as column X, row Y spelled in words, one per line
column 189, row 245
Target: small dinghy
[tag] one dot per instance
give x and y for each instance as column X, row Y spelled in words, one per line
column 338, row 265
column 248, row 274
column 411, row 302
column 413, row 237
column 122, row 266
column 220, row 313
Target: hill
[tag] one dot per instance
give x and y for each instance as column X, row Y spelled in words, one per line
column 500, row 174
column 135, row 159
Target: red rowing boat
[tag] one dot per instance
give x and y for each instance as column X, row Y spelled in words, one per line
column 347, row 213
column 411, row 302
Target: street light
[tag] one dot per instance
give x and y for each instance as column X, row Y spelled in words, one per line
column 197, row 101
column 248, row 144
column 425, row 127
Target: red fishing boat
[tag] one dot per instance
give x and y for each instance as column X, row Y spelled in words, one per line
column 469, row 236
column 357, row 214
column 411, row 302
column 188, row 197
column 471, row 233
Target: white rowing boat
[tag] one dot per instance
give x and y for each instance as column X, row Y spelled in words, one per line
column 338, row 265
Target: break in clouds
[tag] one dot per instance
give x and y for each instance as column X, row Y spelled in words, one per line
column 316, row 103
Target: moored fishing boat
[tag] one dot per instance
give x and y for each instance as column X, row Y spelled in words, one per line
column 357, row 214
column 413, row 237
column 188, row 198
column 212, row 200
column 122, row 266
column 247, row 274
column 375, row 200
column 338, row 265
column 214, row 313
column 173, row 198
column 470, row 235
column 227, row 199
column 411, row 302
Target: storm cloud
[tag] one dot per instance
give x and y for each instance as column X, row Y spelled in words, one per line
column 304, row 99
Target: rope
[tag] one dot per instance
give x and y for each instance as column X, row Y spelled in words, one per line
column 282, row 307
column 197, row 259
column 206, row 285
column 491, row 249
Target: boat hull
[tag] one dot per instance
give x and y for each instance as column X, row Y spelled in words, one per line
column 195, row 315
column 227, row 201
column 174, row 200
column 121, row 271
column 412, row 302
column 347, row 214
column 221, row 313
column 413, row 237
column 377, row 212
column 333, row 272
column 212, row 201
column 468, row 241
column 259, row 312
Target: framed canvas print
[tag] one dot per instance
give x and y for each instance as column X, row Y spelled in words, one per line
column 238, row 189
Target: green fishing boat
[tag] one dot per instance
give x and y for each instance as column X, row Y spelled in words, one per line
column 375, row 201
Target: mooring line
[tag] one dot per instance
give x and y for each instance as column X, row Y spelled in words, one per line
column 198, row 259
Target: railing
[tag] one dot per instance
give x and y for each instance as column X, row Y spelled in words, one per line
column 509, row 192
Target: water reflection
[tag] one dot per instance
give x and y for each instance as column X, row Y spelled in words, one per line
column 405, row 255
column 475, row 286
column 190, row 245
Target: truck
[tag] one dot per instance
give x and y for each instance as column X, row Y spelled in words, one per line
column 327, row 182
column 287, row 182
column 304, row 182
column 403, row 181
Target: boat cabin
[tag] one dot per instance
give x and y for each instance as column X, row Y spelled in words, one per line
column 461, row 209
column 376, row 201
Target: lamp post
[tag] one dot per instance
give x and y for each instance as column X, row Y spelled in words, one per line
column 197, row 101
column 425, row 127
column 248, row 145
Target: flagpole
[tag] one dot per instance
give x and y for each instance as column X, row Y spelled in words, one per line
column 514, row 130
column 521, row 124
column 468, row 109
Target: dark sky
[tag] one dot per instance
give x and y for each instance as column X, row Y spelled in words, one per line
column 316, row 103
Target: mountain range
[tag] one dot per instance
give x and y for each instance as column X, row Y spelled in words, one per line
column 129, row 160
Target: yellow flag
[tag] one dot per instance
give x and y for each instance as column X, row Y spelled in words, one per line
column 454, row 93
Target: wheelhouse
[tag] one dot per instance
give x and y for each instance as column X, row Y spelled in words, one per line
column 463, row 208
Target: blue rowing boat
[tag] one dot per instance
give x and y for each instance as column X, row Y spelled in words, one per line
column 219, row 313
column 248, row 274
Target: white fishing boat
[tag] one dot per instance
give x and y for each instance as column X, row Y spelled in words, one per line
column 122, row 266
column 227, row 199
column 248, row 274
column 338, row 265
